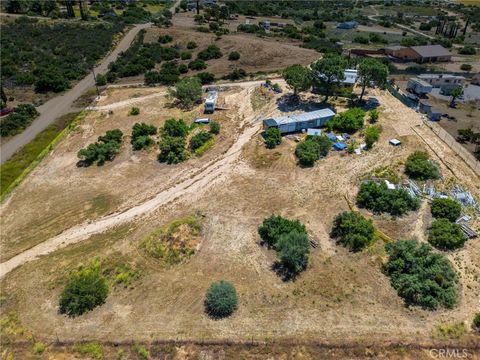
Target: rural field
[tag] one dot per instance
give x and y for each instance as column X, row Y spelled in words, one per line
column 228, row 192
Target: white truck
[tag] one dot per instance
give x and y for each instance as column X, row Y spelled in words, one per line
column 211, row 101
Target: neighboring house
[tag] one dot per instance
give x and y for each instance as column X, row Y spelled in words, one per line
column 420, row 54
column 419, row 86
column 476, row 79
column 432, row 53
column 347, row 25
column 299, row 122
column 350, row 77
column 445, row 82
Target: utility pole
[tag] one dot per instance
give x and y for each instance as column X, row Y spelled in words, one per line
column 198, row 7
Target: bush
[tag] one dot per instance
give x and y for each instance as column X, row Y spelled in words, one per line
column 93, row 350
column 467, row 50
column 445, row 235
column 377, row 198
column 353, row 230
column 466, row 67
column 141, row 135
column 134, row 111
column 39, row 348
column 361, row 39
column 214, row 127
column 163, row 39
column 19, row 119
column 85, row 290
column 420, row 276
column 101, row 80
column 233, row 56
column 105, row 149
column 273, row 137
column 172, row 150
column 205, row 77
column 418, row 166
column 236, row 74
column 141, row 351
column 349, row 121
column 182, row 68
column 293, row 249
column 187, row 91
column 199, row 139
column 211, row 52
column 476, row 321
column 191, row 45
column 372, row 134
column 275, row 226
column 374, row 116
column 197, row 64
column 186, row 55
column 221, row 300
column 175, row 128
column 446, row 209
column 312, row 149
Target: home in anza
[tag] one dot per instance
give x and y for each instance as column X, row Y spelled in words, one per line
column 419, row 54
column 299, row 122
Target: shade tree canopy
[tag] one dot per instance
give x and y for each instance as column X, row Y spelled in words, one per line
column 371, row 70
column 352, row 230
column 298, row 78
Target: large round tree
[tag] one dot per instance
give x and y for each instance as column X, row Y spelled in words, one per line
column 221, row 299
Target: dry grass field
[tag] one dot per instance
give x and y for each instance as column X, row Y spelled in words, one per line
column 343, row 299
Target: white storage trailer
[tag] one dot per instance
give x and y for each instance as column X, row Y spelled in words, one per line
column 419, row 86
column 211, row 101
column 299, row 122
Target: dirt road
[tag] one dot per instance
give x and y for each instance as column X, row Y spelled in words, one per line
column 61, row 105
column 213, row 172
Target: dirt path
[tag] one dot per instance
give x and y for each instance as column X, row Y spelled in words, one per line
column 213, row 172
column 62, row 104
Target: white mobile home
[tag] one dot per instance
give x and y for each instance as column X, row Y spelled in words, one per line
column 299, row 122
column 211, row 101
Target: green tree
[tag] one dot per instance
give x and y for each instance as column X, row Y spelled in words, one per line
column 211, row 52
column 329, row 71
column 134, row 111
column 456, row 92
column 199, row 139
column 191, row 45
column 188, row 91
column 371, row 70
column 311, row 149
column 298, row 78
column 233, row 56
column 221, row 300
column 420, row 276
column 273, row 137
column 293, row 249
column 349, row 121
column 419, row 166
column 175, row 128
column 446, row 209
column 101, row 80
column 275, row 226
column 197, row 64
column 352, row 230
column 206, row 77
column 374, row 116
column 214, row 127
column 372, row 134
column 141, row 133
column 476, row 321
column 85, row 290
column 172, row 149
column 446, row 235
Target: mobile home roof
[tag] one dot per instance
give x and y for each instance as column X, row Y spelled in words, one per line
column 308, row 116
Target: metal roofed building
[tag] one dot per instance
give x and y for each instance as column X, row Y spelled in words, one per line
column 432, row 53
column 299, row 122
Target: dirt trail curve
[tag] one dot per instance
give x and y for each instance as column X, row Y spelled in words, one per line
column 61, row 105
column 213, row 172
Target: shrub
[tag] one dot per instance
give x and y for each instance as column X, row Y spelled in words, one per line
column 236, row 74
column 467, row 50
column 221, row 300
column 205, row 77
column 312, row 149
column 172, row 150
column 169, row 73
column 101, row 80
column 175, row 128
column 466, row 67
column 273, row 137
column 372, row 134
column 197, row 64
column 293, row 249
column 476, row 321
column 39, row 348
column 19, row 119
column 163, row 39
column 186, row 55
column 377, row 198
column 199, row 139
column 374, row 116
column 349, row 121
column 361, row 39
column 141, row 351
column 105, row 149
column 353, row 230
column 418, row 166
column 134, row 111
column 85, row 290
column 234, row 56
column 182, row 68
column 211, row 52
column 275, row 226
column 214, row 127
column 141, row 135
column 420, row 276
column 446, row 209
column 445, row 235
column 187, row 91
column 191, row 45
column 92, row 349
